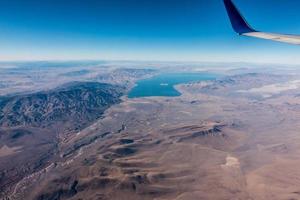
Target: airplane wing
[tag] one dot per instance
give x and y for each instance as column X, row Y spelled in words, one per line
column 240, row 25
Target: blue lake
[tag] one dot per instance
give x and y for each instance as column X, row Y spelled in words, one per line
column 163, row 84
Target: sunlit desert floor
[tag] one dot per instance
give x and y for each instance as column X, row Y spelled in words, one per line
column 212, row 142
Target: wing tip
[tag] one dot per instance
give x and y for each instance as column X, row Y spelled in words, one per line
column 238, row 22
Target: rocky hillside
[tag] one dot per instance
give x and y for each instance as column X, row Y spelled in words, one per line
column 32, row 124
column 74, row 103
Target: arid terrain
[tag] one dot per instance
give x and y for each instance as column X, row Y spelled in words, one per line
column 236, row 137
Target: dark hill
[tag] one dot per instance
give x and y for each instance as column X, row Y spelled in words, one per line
column 74, row 103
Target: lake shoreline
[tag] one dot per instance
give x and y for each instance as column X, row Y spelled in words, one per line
column 163, row 85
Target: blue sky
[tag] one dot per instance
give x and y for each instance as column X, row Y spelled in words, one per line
column 166, row 30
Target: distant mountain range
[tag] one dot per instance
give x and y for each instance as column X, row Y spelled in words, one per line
column 75, row 103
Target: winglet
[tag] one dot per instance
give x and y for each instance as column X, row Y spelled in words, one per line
column 238, row 22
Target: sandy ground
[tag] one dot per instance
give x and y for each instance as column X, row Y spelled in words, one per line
column 8, row 151
column 200, row 145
